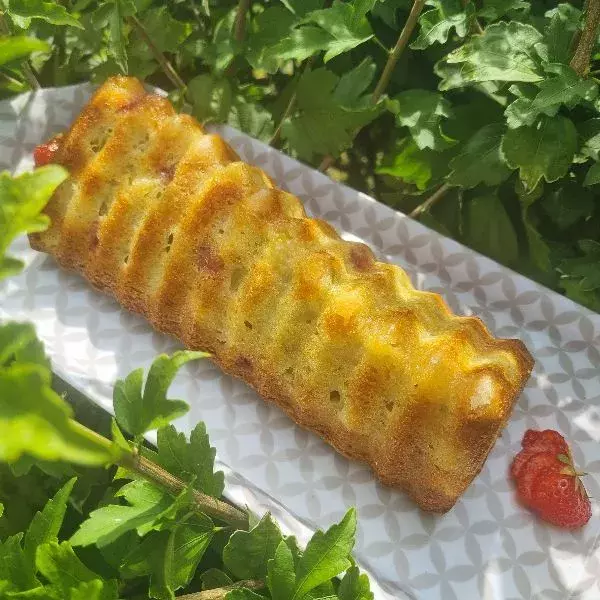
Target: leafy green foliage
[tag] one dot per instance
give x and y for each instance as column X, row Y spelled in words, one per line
column 437, row 23
column 139, row 410
column 51, row 12
column 21, row 200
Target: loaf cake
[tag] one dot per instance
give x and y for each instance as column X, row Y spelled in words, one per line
column 167, row 219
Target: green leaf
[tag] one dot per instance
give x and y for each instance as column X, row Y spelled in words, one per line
column 214, row 578
column 545, row 150
column 170, row 558
column 493, row 10
column 408, row 162
column 117, row 35
column 247, row 552
column 351, row 88
column 211, row 98
column 564, row 21
column 422, row 112
column 504, row 52
column 166, row 33
column 59, row 564
column 566, row 88
column 14, row 337
column 1, row 510
column 437, row 24
column 23, row 198
column 347, row 27
column 138, row 412
column 191, row 461
column 104, row 525
column 51, row 12
column 321, row 125
column 355, row 586
column 39, row 423
column 17, row 47
column 326, row 555
column 592, row 177
column 243, row 594
column 14, row 567
column 253, row 119
column 281, row 576
column 489, row 230
column 46, row 524
column 481, row 160
column 584, row 269
column 589, row 134
column 568, row 204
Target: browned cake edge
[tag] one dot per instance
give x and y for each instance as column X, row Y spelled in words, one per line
column 412, row 476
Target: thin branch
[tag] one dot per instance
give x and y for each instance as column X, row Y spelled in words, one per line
column 240, row 19
column 580, row 62
column 437, row 195
column 219, row 593
column 202, row 502
column 401, row 44
column 162, row 60
column 27, row 70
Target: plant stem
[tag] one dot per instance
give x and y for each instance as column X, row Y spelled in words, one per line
column 219, row 593
column 476, row 23
column 580, row 62
column 162, row 60
column 401, row 44
column 437, row 195
column 27, row 70
column 240, row 19
column 202, row 502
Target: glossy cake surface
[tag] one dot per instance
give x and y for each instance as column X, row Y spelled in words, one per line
column 168, row 220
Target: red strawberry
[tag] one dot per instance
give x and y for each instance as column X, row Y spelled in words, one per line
column 560, row 499
column 547, row 481
column 546, row 440
column 539, row 463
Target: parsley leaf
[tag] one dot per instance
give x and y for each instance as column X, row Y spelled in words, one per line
column 191, row 461
column 146, row 504
column 140, row 411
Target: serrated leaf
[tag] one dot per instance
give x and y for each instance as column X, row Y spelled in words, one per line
column 321, row 125
column 35, row 420
column 253, row 119
column 51, row 12
column 214, row 578
column 492, row 10
column 23, row 198
column 326, row 555
column 14, row 567
column 488, row 228
column 481, row 160
column 166, row 32
column 422, row 112
column 585, row 269
column 46, row 524
column 247, row 552
column 351, row 88
column 355, row 586
column 347, row 27
column 545, row 150
column 117, row 35
column 211, row 98
column 191, row 461
column 564, row 22
column 504, row 52
column 436, row 24
column 138, row 412
column 59, row 564
column 170, row 558
column 146, row 503
column 281, row 576
column 565, row 88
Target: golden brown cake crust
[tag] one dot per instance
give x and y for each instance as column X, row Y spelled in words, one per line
column 168, row 220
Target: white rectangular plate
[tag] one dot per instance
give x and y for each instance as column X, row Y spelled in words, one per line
column 487, row 547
